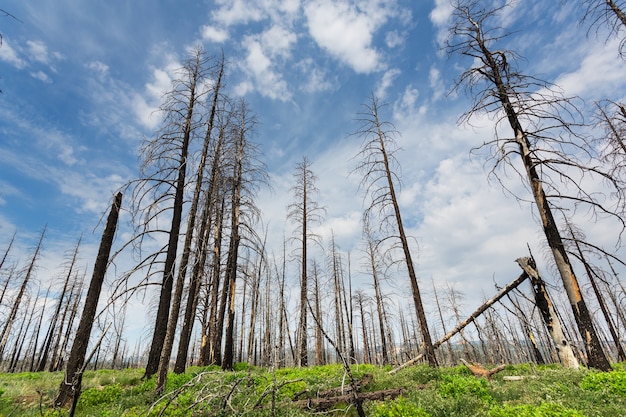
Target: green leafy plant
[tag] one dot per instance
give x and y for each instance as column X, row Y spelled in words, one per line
column 100, row 396
column 399, row 407
column 455, row 386
column 612, row 382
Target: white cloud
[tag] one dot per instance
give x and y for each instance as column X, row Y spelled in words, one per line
column 99, row 67
column 38, row 51
column 406, row 106
column 346, row 31
column 393, row 39
column 9, row 55
column 440, row 17
column 41, row 76
column 278, row 41
column 316, row 77
column 146, row 104
column 231, row 12
column 386, row 81
column 263, row 51
column 214, row 34
column 436, row 84
column 599, row 74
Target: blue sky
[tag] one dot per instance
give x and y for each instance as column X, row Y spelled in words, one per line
column 80, row 81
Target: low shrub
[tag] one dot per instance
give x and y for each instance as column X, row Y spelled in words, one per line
column 526, row 410
column 612, row 382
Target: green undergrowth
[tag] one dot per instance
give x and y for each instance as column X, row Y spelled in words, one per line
column 250, row 391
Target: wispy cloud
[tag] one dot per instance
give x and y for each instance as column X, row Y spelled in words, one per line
column 386, row 82
column 10, row 55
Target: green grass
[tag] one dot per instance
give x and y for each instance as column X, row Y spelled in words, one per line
column 250, row 391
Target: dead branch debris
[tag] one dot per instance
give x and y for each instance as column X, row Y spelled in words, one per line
column 479, row 372
column 322, row 404
column 334, row 397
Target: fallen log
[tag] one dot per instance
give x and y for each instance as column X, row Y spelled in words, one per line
column 467, row 321
column 323, row 404
column 479, row 372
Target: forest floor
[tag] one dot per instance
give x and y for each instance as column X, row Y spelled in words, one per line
column 418, row 391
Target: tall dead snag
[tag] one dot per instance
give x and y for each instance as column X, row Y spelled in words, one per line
column 480, row 310
column 202, row 68
column 550, row 318
column 304, row 212
column 380, row 175
column 248, row 173
column 498, row 88
column 70, row 386
column 160, row 192
column 204, row 229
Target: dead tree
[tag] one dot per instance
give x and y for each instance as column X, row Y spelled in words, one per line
column 70, row 386
column 199, row 69
column 304, row 212
column 379, row 182
column 537, row 119
column 373, row 264
column 467, row 321
column 609, row 14
column 52, row 328
column 248, row 174
column 551, row 320
column 576, row 236
column 28, row 275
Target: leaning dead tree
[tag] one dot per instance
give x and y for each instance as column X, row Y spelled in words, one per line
column 542, row 124
column 379, row 169
column 480, row 310
column 70, row 386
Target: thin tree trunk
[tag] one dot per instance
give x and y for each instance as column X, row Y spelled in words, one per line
column 605, row 312
column 53, row 321
column 6, row 330
column 319, row 337
column 35, row 339
column 349, row 312
column 20, row 338
column 366, row 350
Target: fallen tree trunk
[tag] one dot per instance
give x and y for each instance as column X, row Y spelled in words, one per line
column 479, row 372
column 322, row 404
column 467, row 321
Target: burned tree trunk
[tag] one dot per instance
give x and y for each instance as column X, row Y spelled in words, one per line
column 70, row 386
